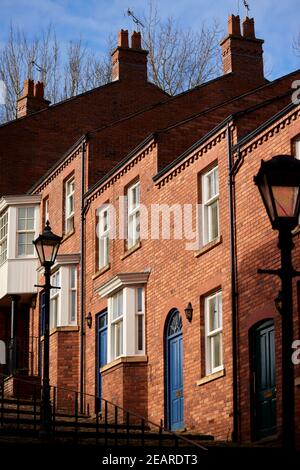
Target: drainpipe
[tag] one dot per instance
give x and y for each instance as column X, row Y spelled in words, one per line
column 82, row 279
column 235, row 433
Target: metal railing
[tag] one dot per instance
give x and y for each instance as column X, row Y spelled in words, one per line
column 114, row 425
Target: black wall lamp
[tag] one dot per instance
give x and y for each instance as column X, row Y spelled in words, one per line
column 89, row 320
column 189, row 312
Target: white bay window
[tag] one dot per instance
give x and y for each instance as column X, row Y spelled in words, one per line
column 63, row 298
column 126, row 314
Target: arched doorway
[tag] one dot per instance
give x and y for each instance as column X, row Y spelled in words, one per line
column 174, row 371
column 264, row 380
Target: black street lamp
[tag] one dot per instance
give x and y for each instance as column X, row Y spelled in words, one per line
column 47, row 245
column 278, row 181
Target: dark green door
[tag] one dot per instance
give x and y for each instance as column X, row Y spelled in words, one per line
column 264, row 380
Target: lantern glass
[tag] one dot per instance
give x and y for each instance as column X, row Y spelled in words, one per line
column 278, row 181
column 285, row 198
column 47, row 245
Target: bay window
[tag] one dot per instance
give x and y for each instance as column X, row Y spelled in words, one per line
column 126, row 302
column 63, row 297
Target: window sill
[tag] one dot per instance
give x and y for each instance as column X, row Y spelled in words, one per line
column 211, row 377
column 131, row 250
column 123, row 359
column 209, row 246
column 67, row 236
column 101, row 271
column 62, row 328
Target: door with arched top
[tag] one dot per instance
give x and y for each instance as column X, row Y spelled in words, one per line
column 264, row 380
column 174, row 372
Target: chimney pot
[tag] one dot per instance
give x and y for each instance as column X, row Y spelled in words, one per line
column 39, row 90
column 234, row 26
column 248, row 27
column 28, row 87
column 123, row 38
column 136, row 40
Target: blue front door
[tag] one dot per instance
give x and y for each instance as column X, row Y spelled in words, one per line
column 102, row 351
column 175, row 372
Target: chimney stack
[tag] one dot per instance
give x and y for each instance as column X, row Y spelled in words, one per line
column 243, row 54
column 129, row 63
column 32, row 100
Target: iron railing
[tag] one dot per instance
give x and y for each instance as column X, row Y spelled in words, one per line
column 114, row 425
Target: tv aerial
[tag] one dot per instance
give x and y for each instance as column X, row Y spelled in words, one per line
column 134, row 18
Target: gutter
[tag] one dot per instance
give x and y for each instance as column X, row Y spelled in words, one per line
column 82, row 280
column 234, row 293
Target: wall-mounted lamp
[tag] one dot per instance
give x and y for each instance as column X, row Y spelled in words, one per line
column 189, row 312
column 33, row 301
column 89, row 320
column 278, row 302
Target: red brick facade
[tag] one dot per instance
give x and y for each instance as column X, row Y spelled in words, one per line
column 167, row 146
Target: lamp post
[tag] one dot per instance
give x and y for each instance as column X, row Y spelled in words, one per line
column 47, row 245
column 278, row 181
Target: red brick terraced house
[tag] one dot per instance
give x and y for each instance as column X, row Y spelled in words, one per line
column 177, row 313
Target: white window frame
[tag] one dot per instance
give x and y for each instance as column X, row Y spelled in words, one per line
column 3, row 236
column 69, row 196
column 55, row 300
column 117, row 325
column 46, row 210
column 103, row 233
column 207, row 202
column 211, row 334
column 25, row 231
column 133, row 215
column 140, row 320
column 72, row 295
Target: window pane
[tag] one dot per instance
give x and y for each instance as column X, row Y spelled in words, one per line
column 213, row 315
column 103, row 320
column 118, row 327
column 73, row 305
column 120, row 303
column 21, row 224
column 216, row 345
column 140, row 332
column 73, row 278
column 214, row 220
column 140, row 299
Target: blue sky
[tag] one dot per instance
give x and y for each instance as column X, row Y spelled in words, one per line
column 278, row 22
